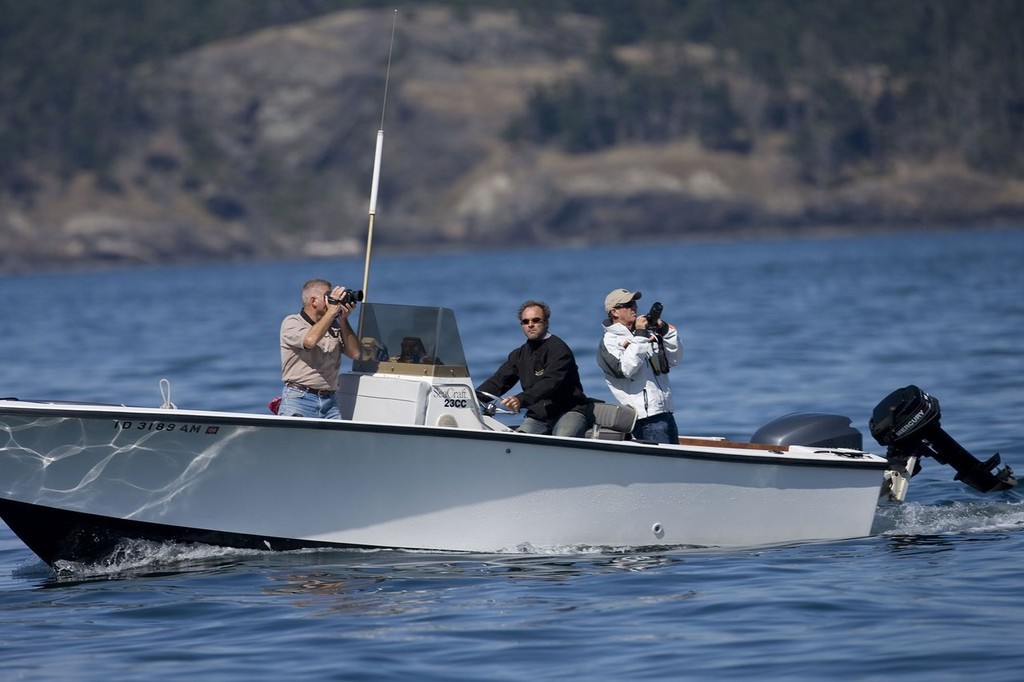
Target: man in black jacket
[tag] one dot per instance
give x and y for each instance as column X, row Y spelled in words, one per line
column 546, row 369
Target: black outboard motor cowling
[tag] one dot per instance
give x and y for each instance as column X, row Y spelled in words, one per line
column 813, row 429
column 907, row 421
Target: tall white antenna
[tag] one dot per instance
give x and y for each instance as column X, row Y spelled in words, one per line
column 376, row 166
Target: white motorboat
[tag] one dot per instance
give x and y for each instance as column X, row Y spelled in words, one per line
column 419, row 462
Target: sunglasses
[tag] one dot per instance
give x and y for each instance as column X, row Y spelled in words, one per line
column 531, row 320
column 631, row 304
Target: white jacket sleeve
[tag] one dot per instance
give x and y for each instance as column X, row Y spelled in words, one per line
column 673, row 347
column 631, row 358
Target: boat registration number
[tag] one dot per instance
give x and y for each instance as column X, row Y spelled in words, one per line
column 126, row 425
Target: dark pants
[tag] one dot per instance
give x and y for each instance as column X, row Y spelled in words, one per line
column 661, row 428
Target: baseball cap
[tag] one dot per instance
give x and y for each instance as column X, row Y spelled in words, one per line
column 619, row 297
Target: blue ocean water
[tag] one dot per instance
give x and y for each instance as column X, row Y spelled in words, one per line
column 769, row 327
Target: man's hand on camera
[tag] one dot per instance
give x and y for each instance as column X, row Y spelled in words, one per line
column 338, row 309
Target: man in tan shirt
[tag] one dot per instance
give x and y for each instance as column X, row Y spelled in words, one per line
column 312, row 342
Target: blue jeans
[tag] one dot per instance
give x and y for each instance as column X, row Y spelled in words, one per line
column 661, row 428
column 572, row 424
column 304, row 404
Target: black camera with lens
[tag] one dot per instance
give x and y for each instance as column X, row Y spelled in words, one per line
column 654, row 317
column 659, row 361
column 348, row 297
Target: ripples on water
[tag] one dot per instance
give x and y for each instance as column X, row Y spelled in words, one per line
column 768, row 328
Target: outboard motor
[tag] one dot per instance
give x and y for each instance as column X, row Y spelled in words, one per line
column 907, row 421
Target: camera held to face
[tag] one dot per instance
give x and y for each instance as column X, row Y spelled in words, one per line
column 654, row 317
column 348, row 297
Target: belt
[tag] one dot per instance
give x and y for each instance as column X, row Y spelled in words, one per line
column 305, row 389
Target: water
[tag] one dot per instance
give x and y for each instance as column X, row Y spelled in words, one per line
column 768, row 328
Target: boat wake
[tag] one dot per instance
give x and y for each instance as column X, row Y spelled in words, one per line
column 573, row 550
column 954, row 518
column 132, row 557
column 135, row 557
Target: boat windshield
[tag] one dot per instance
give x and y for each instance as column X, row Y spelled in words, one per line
column 408, row 334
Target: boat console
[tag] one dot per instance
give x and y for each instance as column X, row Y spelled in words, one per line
column 412, row 371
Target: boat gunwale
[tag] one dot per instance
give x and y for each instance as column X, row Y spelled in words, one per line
column 804, row 456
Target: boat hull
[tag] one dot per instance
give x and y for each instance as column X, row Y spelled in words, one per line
column 75, row 480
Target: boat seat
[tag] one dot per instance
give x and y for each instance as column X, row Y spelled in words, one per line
column 612, row 422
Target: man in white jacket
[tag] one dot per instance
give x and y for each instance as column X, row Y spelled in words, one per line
column 636, row 356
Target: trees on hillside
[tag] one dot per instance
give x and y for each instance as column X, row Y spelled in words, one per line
column 853, row 84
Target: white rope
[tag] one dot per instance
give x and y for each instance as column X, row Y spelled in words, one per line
column 165, row 393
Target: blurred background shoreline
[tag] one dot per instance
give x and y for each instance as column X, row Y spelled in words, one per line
column 149, row 132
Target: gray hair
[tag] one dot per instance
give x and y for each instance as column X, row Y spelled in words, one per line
column 308, row 287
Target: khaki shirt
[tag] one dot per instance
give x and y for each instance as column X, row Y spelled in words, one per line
column 315, row 367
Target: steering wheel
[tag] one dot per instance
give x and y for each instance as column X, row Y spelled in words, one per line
column 494, row 405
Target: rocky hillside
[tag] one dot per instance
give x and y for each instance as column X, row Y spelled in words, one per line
column 263, row 147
